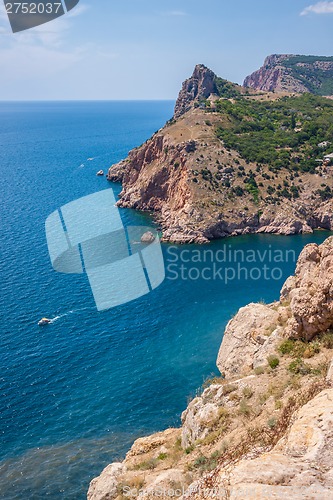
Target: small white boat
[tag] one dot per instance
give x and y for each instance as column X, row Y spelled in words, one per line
column 100, row 173
column 44, row 322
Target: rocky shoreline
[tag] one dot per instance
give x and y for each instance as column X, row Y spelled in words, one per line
column 265, row 426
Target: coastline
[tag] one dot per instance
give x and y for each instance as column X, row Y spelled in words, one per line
column 232, row 162
column 273, row 396
column 199, row 188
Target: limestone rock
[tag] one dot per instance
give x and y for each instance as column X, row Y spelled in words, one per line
column 274, row 76
column 196, row 420
column 164, row 481
column 311, row 294
column 200, row 85
column 104, row 487
column 148, row 237
column 324, row 216
column 268, row 348
column 299, row 466
column 244, row 337
column 116, row 172
column 299, row 460
column 284, row 222
column 288, row 286
column 149, row 443
column 203, row 413
column 329, row 376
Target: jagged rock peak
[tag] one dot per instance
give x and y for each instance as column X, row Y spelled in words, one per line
column 200, row 86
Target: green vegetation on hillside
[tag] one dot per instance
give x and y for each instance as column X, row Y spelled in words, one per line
column 319, row 81
column 281, row 134
column 226, row 89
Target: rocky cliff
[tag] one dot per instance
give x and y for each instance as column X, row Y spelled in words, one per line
column 201, row 185
column 264, row 429
column 292, row 73
column 203, row 88
column 199, row 87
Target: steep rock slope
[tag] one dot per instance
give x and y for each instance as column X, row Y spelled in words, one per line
column 265, row 430
column 200, row 86
column 292, row 73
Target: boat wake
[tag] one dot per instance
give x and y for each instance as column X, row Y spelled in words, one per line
column 74, row 311
column 94, row 158
column 55, row 319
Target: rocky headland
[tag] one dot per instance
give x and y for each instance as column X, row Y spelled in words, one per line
column 233, row 161
column 264, row 429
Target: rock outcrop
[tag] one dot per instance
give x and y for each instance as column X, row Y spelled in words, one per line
column 305, row 310
column 245, row 337
column 105, row 487
column 300, row 466
column 290, row 73
column 274, row 76
column 265, row 429
column 201, row 85
column 198, row 418
column 136, row 475
column 310, row 292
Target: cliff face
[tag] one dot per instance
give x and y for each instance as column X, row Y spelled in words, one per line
column 264, row 430
column 200, row 86
column 156, row 178
column 196, row 184
column 274, row 76
column 289, row 73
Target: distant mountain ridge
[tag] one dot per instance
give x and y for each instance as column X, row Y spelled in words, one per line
column 294, row 73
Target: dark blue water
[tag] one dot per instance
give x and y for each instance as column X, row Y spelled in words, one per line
column 76, row 394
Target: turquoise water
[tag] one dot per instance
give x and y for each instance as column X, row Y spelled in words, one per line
column 76, row 394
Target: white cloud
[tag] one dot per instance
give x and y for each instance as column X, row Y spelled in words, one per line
column 318, row 8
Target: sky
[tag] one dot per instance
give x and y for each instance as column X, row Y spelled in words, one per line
column 130, row 49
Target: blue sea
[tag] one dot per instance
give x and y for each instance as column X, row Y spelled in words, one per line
column 75, row 394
